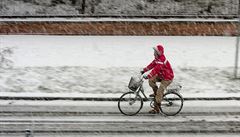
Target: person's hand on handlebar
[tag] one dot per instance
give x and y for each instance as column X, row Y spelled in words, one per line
column 145, row 76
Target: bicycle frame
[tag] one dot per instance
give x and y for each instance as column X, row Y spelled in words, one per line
column 140, row 89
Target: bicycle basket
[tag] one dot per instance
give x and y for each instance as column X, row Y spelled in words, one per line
column 134, row 83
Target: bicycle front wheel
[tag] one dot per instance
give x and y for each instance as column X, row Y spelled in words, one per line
column 171, row 104
column 130, row 104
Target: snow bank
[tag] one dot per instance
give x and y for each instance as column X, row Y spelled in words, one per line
column 112, row 80
column 104, row 64
column 119, row 51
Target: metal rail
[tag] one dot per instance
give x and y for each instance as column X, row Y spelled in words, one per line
column 233, row 16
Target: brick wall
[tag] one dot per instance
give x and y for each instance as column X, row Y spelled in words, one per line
column 183, row 28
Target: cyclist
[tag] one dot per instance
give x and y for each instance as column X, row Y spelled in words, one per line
column 161, row 71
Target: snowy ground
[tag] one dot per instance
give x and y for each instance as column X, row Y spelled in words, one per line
column 100, row 66
column 104, row 64
column 80, row 118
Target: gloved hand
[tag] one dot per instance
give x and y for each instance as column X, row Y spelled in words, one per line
column 145, row 76
column 142, row 72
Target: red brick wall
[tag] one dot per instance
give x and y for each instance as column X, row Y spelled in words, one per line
column 120, row 28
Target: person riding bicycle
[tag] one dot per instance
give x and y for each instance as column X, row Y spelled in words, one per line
column 161, row 71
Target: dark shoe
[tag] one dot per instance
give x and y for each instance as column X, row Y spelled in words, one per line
column 152, row 95
column 154, row 111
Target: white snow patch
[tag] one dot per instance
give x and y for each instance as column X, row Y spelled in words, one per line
column 116, row 51
column 104, row 64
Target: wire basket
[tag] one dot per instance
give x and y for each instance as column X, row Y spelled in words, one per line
column 134, row 83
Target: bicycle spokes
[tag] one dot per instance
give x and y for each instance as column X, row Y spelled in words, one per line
column 171, row 104
column 130, row 103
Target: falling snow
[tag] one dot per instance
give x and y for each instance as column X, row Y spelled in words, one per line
column 34, row 67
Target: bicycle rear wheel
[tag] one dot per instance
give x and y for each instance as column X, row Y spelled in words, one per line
column 171, row 104
column 130, row 104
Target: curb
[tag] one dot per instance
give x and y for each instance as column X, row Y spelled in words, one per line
column 108, row 99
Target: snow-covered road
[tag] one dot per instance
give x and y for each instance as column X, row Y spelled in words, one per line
column 99, row 118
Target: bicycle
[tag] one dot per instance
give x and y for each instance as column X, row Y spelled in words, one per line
column 130, row 103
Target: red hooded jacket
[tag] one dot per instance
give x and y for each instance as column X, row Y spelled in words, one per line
column 160, row 66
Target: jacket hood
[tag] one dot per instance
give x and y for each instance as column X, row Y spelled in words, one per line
column 159, row 49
